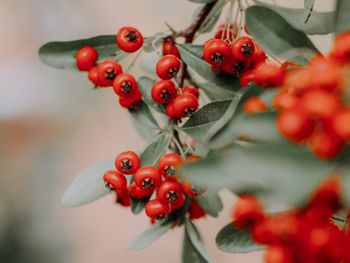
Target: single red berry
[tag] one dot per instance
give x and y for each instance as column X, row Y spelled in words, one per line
column 216, row 51
column 190, row 190
column 107, row 71
column 115, row 181
column 247, row 211
column 163, row 91
column 341, row 124
column 127, row 162
column 278, row 254
column 124, row 85
column 157, row 209
column 243, row 48
column 195, row 210
column 341, row 48
column 169, row 48
column 168, row 66
column 235, row 66
column 86, row 58
column 93, row 76
column 147, row 177
column 170, row 111
column 133, row 99
column 168, row 164
column 259, row 56
column 325, row 144
column 129, row 39
column 179, row 202
column 254, row 104
column 246, row 78
column 170, row 191
column 138, row 192
column 269, row 75
column 123, row 198
column 285, row 100
column 190, row 89
column 185, row 105
column 295, row 125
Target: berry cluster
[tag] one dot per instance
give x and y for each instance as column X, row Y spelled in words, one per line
column 227, row 53
column 313, row 110
column 304, row 235
column 109, row 72
column 163, row 180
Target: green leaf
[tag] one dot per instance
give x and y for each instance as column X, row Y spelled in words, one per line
column 319, row 23
column 153, row 42
column 202, row 1
column 192, row 56
column 214, row 92
column 88, row 185
column 342, row 16
column 213, row 16
column 211, row 203
column 145, row 85
column 154, row 150
column 209, row 119
column 282, row 174
column 137, row 205
column 233, row 240
column 193, row 249
column 62, row 54
column 144, row 116
column 308, row 8
column 276, row 36
column 150, row 235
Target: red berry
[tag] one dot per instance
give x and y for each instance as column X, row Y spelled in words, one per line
column 254, row 104
column 124, row 85
column 129, row 39
column 138, row 192
column 147, row 177
column 195, row 210
column 123, row 198
column 325, row 144
column 190, row 190
column 170, row 111
column 93, row 76
column 216, row 52
column 246, row 78
column 179, row 202
column 259, row 56
column 115, row 181
column 185, row 105
column 295, row 125
column 170, row 191
column 163, row 91
column 247, row 211
column 243, row 48
column 234, row 66
column 168, row 67
column 278, row 254
column 127, row 162
column 157, row 209
column 341, row 47
column 133, row 99
column 168, row 164
column 86, row 58
column 107, row 71
column 341, row 124
column 169, row 48
column 189, row 89
column 285, row 100
column 269, row 75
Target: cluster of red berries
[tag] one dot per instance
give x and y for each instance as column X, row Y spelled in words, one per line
column 232, row 55
column 163, row 181
column 109, row 72
column 307, row 235
column 313, row 110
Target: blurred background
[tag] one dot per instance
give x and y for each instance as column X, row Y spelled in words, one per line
column 53, row 124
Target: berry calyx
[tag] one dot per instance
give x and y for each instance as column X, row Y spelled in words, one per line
column 86, row 58
column 157, row 209
column 107, row 71
column 167, row 67
column 163, row 91
column 185, row 105
column 168, row 164
column 131, row 101
column 216, row 51
column 147, row 177
column 170, row 191
column 243, row 48
column 124, row 85
column 115, row 181
column 129, row 39
column 127, row 162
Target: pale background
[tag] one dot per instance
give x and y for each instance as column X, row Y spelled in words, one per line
column 52, row 125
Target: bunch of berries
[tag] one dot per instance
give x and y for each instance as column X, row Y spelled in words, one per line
column 162, row 181
column 313, row 110
column 305, row 235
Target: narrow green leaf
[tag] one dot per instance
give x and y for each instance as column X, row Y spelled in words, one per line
column 243, row 169
column 153, row 42
column 342, row 16
column 210, row 202
column 145, row 85
column 154, row 150
column 196, row 251
column 209, row 119
column 233, row 240
column 189, row 252
column 277, row 36
column 62, row 54
column 192, row 56
column 137, row 205
column 308, row 8
column 213, row 16
column 149, row 236
column 214, row 92
column 144, row 116
column 319, row 23
column 88, row 185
